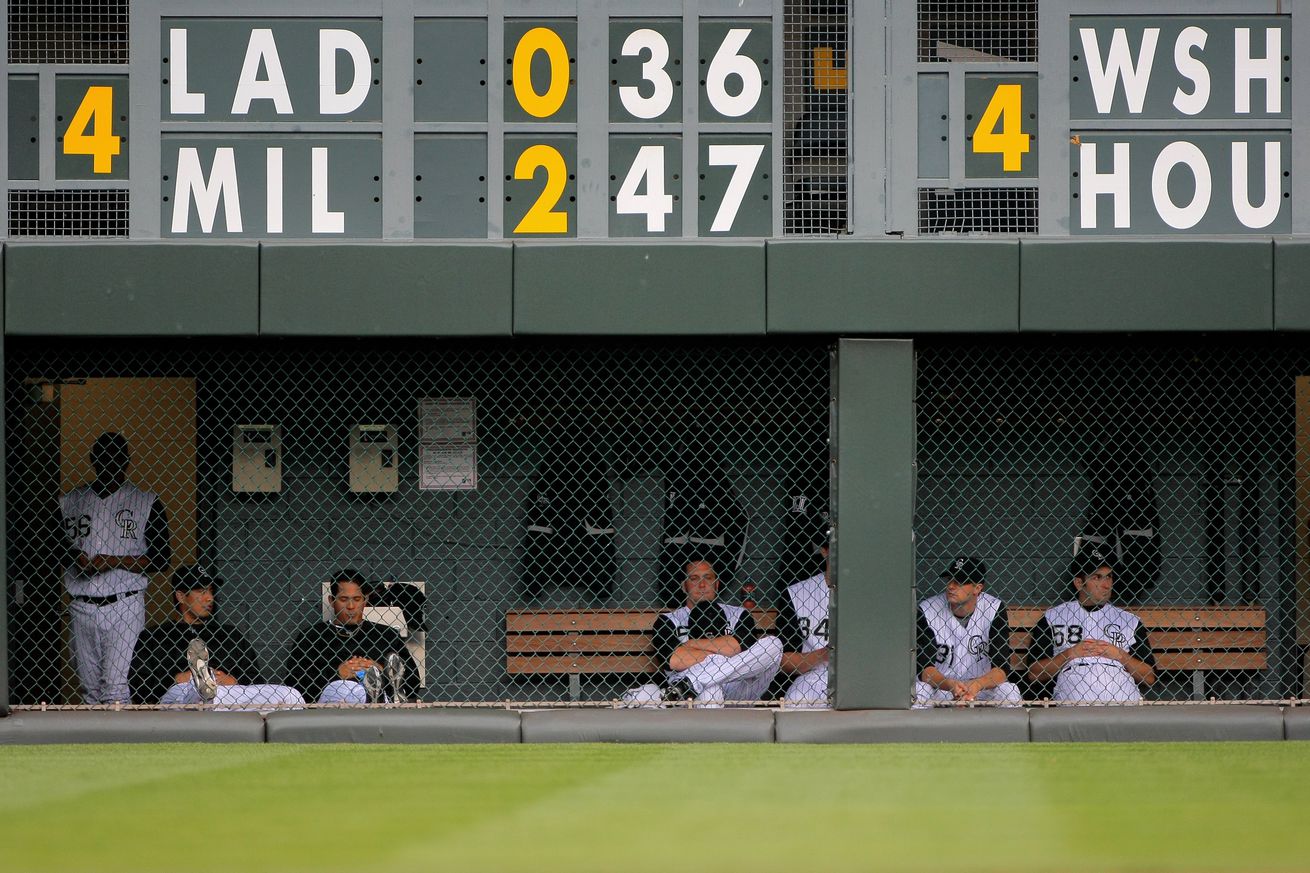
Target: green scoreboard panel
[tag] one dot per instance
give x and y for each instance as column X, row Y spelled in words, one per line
column 286, row 126
column 678, row 119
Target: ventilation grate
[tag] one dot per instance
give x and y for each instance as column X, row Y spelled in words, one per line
column 977, row 210
column 92, row 212
column 68, row 32
column 981, row 31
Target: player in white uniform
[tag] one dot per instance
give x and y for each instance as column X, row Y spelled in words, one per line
column 712, row 651
column 803, row 626
column 1095, row 651
column 116, row 534
column 964, row 642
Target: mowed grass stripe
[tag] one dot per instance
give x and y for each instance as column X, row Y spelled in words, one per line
column 1175, row 807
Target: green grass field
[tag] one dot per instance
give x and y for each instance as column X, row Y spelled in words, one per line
column 1193, row 807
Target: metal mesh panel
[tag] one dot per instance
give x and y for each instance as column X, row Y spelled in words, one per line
column 89, row 212
column 978, row 30
column 68, row 32
column 977, row 210
column 815, row 94
column 1183, row 463
column 523, row 513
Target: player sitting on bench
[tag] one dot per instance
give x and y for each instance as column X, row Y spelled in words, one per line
column 964, row 642
column 712, row 651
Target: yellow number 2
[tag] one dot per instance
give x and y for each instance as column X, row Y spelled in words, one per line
column 1005, row 110
column 542, row 217
column 96, row 111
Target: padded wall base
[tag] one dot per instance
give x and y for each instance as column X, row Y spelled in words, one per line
column 1296, row 723
column 899, row 726
column 394, row 726
column 648, row 726
column 1134, row 724
column 24, row 728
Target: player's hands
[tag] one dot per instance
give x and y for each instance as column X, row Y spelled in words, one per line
column 1115, row 653
column 224, row 678
column 967, row 690
column 94, row 564
column 351, row 666
column 1089, row 649
column 182, row 678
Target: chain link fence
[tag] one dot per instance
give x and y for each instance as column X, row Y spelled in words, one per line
column 815, row 100
column 352, row 521
column 1140, row 506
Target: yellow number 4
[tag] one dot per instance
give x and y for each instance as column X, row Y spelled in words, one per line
column 1005, row 110
column 96, row 111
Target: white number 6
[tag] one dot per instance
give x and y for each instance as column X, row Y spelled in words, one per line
column 728, row 61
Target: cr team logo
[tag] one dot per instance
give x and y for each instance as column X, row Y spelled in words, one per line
column 976, row 645
column 1115, row 634
column 126, row 524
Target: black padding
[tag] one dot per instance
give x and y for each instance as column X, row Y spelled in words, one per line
column 1134, row 724
column 648, row 726
column 982, row 725
column 1296, row 723
column 394, row 726
column 23, row 728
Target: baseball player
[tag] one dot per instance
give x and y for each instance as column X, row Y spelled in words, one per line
column 1095, row 651
column 350, row 660
column 803, row 628
column 169, row 667
column 964, row 641
column 713, row 652
column 116, row 534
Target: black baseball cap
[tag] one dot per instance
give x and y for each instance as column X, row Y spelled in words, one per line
column 970, row 571
column 1091, row 558
column 191, row 577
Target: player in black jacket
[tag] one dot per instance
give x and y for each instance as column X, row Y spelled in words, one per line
column 161, row 673
column 347, row 660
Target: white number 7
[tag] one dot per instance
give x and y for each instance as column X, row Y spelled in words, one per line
column 743, row 158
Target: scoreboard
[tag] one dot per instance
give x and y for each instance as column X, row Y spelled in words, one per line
column 555, row 119
column 278, row 126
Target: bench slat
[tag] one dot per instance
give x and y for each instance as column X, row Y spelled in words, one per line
column 519, row 664
column 561, row 643
column 1186, row 661
column 1163, row 641
column 579, row 620
column 1211, row 661
column 602, row 620
column 1180, row 617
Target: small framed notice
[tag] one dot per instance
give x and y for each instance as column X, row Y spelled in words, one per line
column 448, row 444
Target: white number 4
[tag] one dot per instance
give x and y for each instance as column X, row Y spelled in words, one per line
column 654, row 204
column 743, row 159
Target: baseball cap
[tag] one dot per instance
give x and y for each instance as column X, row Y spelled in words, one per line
column 1091, row 558
column 191, row 577
column 970, row 571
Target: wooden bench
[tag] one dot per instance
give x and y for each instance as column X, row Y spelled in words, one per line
column 1199, row 639
column 581, row 642
column 587, row 641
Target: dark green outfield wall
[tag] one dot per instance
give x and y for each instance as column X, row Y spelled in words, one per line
column 830, row 288
column 898, row 288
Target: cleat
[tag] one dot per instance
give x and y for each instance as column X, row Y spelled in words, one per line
column 679, row 691
column 373, row 684
column 202, row 675
column 394, row 670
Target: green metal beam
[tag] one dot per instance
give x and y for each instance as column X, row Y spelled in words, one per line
column 874, row 444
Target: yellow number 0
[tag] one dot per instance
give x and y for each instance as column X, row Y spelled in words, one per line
column 97, row 110
column 542, row 218
column 1006, row 107
column 541, row 39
